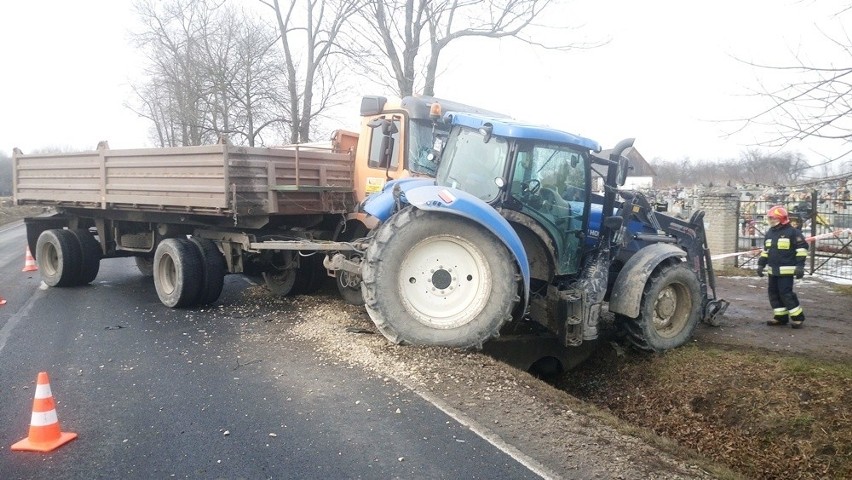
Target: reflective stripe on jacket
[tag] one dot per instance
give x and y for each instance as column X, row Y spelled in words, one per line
column 784, row 248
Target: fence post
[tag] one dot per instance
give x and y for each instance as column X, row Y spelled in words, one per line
column 721, row 221
column 814, row 231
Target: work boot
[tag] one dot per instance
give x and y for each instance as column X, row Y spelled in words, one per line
column 777, row 321
column 798, row 321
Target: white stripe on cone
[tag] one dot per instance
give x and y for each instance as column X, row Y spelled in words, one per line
column 43, row 419
column 43, row 391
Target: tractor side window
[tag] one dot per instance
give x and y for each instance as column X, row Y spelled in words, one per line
column 376, row 157
column 549, row 181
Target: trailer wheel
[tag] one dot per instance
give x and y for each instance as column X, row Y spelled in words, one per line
column 213, row 267
column 90, row 260
column 671, row 309
column 59, row 258
column 145, row 264
column 437, row 279
column 178, row 272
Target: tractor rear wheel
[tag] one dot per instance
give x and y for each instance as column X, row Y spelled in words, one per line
column 437, row 279
column 670, row 311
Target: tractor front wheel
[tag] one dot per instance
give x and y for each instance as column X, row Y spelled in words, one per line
column 438, row 279
column 670, row 311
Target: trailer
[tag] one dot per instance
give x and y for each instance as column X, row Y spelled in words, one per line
column 188, row 214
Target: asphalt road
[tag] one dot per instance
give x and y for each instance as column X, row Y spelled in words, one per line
column 154, row 392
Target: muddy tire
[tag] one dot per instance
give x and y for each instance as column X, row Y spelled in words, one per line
column 90, row 260
column 670, row 311
column 178, row 272
column 438, row 279
column 59, row 257
column 213, row 268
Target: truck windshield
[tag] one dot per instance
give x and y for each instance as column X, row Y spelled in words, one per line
column 422, row 134
column 470, row 164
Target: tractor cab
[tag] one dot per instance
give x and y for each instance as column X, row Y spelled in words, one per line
column 540, row 173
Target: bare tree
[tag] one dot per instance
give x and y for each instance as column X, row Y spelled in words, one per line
column 412, row 34
column 309, row 31
column 248, row 90
column 807, row 100
column 174, row 95
column 753, row 166
column 212, row 72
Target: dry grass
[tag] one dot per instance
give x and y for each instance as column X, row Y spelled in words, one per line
column 764, row 415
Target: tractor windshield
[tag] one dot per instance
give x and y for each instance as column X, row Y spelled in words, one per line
column 471, row 164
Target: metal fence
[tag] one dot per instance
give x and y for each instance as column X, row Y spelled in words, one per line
column 825, row 220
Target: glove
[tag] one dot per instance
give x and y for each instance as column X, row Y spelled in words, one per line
column 800, row 272
column 760, row 271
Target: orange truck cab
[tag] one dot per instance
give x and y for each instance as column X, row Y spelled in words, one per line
column 415, row 121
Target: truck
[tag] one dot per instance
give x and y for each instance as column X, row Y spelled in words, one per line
column 452, row 225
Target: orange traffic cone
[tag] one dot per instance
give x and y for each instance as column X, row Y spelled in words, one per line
column 45, row 434
column 29, row 264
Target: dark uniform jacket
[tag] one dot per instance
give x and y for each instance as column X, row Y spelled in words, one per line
column 784, row 248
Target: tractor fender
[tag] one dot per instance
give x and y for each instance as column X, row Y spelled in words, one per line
column 626, row 297
column 444, row 199
column 381, row 205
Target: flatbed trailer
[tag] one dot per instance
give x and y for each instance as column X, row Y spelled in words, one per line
column 217, row 208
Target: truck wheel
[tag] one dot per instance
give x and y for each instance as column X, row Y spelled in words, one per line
column 59, row 258
column 671, row 309
column 90, row 249
column 213, row 266
column 311, row 275
column 437, row 279
column 145, row 265
column 178, row 272
column 280, row 283
column 349, row 286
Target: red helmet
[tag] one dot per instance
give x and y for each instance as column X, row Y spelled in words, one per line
column 778, row 212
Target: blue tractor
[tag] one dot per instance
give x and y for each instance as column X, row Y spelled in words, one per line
column 509, row 233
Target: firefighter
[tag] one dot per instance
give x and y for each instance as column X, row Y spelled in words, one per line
column 784, row 252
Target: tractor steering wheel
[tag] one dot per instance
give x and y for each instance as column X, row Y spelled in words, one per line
column 533, row 186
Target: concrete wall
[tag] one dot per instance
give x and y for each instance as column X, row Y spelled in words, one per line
column 721, row 220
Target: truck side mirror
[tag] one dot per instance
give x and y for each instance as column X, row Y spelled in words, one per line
column 389, row 128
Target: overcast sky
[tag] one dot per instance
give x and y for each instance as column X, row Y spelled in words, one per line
column 668, row 76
